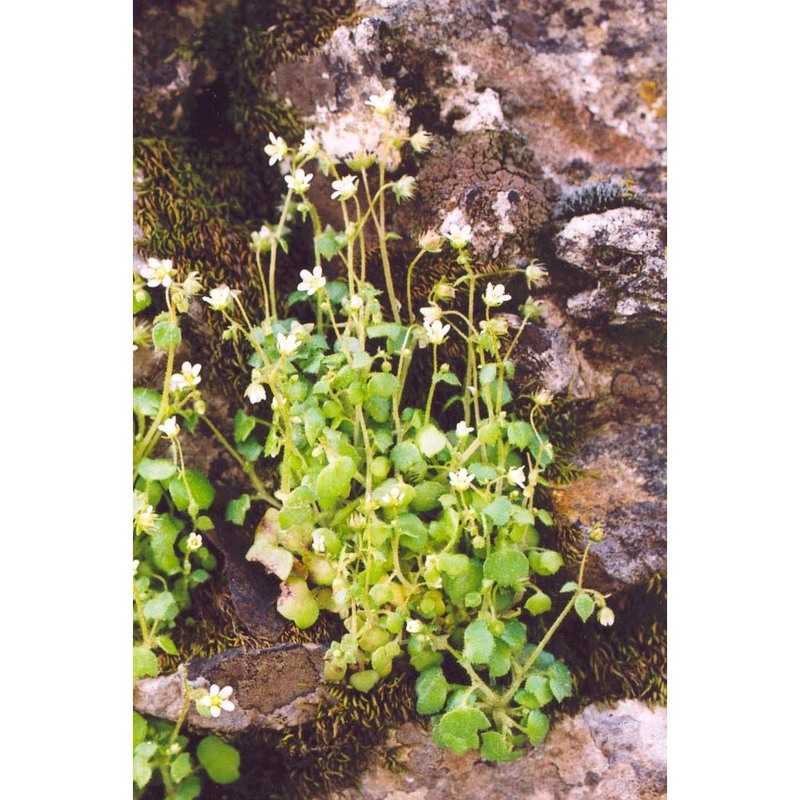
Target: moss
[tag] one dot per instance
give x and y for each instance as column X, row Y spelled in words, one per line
column 598, row 195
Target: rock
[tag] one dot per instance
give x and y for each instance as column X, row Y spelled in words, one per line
column 623, row 251
column 272, row 688
column 623, row 490
column 601, row 753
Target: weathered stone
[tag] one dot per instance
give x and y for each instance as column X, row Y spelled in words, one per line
column 601, row 753
column 273, row 688
column 623, row 250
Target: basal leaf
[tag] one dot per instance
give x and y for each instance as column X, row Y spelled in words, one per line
column 432, row 688
column 219, row 759
column 478, row 642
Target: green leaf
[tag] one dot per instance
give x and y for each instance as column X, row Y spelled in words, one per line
column 146, row 401
column 201, row 492
column 188, row 789
column 487, row 374
column 495, row 748
column 538, row 603
column 363, row 681
column 499, row 511
column 432, row 690
column 142, row 771
column 181, row 767
column 544, row 517
column 413, row 532
column 243, row 426
column 520, row 434
column 483, row 472
column 377, row 408
column 145, row 663
column 469, row 582
column 139, row 728
column 584, row 606
column 458, row 729
column 488, row 432
column 382, row 384
column 156, row 469
column 515, row 635
column 330, row 242
column 141, row 300
column 453, row 564
column 406, row 456
column 204, row 523
column 431, row 441
column 545, row 562
column 167, row 645
column 161, row 607
column 560, row 680
column 297, row 603
column 162, row 545
column 478, row 642
column 313, row 423
column 537, row 726
column 569, row 586
column 219, row 759
column 237, row 509
column 165, row 335
column 333, row 481
column 500, row 660
column 506, row 567
column 540, row 449
column 276, row 559
column 539, row 686
column 427, row 495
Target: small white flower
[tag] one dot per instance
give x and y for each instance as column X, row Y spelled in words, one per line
column 170, row 428
column 431, row 313
column 276, row 150
column 459, row 236
column 382, row 103
column 517, row 475
column 262, row 239
column 345, row 188
column 194, row 542
column 288, row 344
column 192, row 284
column 355, row 303
column 536, row 274
column 255, row 393
column 496, row 326
column 158, row 272
column 310, row 146
column 188, row 377
column 298, row 181
column 430, row 241
column 301, row 332
column 461, row 480
column 495, row 295
column 420, row 141
column 220, row 298
column 404, row 188
column 216, row 700
column 318, row 542
column 394, row 497
column 311, row 282
column 413, row 625
column 605, row 616
column 444, row 291
column 463, row 430
column 145, row 519
column 437, row 332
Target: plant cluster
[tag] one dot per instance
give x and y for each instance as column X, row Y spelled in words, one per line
column 424, row 538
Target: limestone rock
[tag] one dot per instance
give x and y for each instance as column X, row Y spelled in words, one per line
column 601, row 753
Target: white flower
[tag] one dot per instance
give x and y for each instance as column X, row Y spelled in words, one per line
column 311, row 282
column 288, row 344
column 420, row 141
column 437, row 332
column 188, row 376
column 194, row 542
column 413, row 625
column 310, row 146
column 394, row 497
column 170, row 428
column 255, row 393
column 192, row 284
column 431, row 313
column 158, row 273
column 145, row 519
column 298, row 181
column 461, row 480
column 444, row 291
column 354, row 303
column 318, row 542
column 220, row 298
column 430, row 241
column 517, row 475
column 459, row 236
column 216, row 700
column 605, row 616
column 404, row 188
column 263, row 238
column 495, row 295
column 277, row 150
column 345, row 188
column 463, row 430
column 301, row 332
column 382, row 103
column 536, row 274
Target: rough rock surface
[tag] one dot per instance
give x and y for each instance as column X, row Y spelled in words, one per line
column 605, row 753
column 273, row 688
